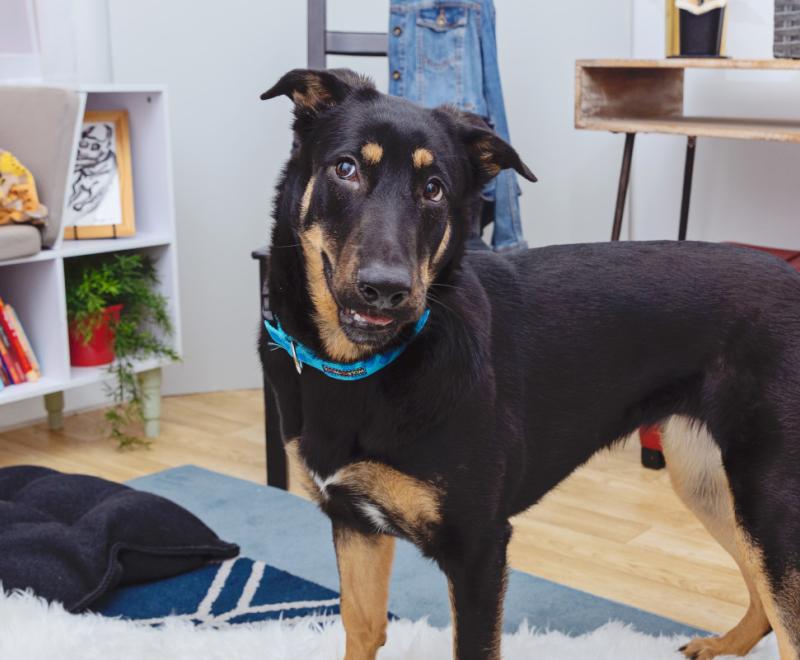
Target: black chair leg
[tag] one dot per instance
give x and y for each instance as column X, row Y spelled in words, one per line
column 277, row 474
column 277, row 469
column 688, row 172
column 622, row 191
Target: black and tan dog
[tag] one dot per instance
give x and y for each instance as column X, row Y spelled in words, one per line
column 528, row 364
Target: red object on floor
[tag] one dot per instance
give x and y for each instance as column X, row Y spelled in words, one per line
column 650, row 436
column 792, row 257
column 100, row 348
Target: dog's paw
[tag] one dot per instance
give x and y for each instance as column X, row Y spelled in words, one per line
column 706, row 648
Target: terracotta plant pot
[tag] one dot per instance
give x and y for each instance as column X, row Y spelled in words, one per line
column 100, row 348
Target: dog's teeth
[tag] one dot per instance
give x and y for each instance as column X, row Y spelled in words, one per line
column 359, row 318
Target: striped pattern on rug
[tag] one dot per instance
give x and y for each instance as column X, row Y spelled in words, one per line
column 234, row 591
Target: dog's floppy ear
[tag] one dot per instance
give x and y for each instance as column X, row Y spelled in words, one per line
column 314, row 91
column 489, row 154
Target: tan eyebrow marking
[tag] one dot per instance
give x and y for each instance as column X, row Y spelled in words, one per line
column 372, row 152
column 421, row 157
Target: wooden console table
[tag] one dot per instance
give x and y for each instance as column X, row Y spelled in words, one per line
column 647, row 96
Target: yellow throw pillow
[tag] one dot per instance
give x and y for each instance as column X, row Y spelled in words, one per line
column 19, row 201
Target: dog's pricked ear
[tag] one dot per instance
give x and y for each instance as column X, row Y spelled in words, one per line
column 315, row 90
column 490, row 154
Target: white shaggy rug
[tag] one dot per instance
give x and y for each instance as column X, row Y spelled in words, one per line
column 30, row 629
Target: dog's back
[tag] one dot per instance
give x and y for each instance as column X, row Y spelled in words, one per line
column 624, row 334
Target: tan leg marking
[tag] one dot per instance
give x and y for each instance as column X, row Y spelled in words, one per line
column 498, row 624
column 410, row 503
column 422, row 157
column 365, row 564
column 754, row 559
column 326, row 316
column 495, row 649
column 698, row 477
column 299, row 470
column 453, row 618
column 372, row 153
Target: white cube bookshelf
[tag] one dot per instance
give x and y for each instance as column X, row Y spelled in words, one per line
column 34, row 285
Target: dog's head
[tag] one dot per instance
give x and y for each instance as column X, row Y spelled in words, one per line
column 384, row 202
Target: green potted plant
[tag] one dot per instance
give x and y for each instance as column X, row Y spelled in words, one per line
column 117, row 317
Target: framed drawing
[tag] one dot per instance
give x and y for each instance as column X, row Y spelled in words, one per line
column 100, row 201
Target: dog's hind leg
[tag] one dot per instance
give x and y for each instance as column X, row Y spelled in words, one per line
column 765, row 483
column 781, row 597
column 365, row 564
column 698, row 477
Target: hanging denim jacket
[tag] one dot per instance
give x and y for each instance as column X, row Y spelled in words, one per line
column 444, row 51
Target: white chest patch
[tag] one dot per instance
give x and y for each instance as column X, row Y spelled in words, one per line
column 323, row 483
column 370, row 511
column 375, row 516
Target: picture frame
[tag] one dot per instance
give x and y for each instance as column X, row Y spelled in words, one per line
column 672, row 38
column 100, row 201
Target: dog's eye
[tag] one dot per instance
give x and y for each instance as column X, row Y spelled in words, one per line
column 346, row 168
column 433, row 190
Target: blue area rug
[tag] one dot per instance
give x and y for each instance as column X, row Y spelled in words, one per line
column 291, row 536
column 235, row 591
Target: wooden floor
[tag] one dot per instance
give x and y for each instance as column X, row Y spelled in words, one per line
column 613, row 529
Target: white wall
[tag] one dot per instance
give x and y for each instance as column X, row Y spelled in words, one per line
column 743, row 191
column 538, row 43
column 228, row 147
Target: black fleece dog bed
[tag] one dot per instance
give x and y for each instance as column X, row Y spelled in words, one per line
column 71, row 538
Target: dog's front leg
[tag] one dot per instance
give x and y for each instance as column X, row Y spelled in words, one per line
column 365, row 564
column 477, row 581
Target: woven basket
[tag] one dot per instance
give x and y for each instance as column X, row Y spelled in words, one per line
column 787, row 28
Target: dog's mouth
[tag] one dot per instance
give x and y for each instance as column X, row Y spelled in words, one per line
column 367, row 328
column 363, row 326
column 365, row 320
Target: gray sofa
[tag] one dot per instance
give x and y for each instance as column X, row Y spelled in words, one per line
column 38, row 125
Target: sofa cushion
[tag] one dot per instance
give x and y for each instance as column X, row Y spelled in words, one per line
column 19, row 241
column 38, row 125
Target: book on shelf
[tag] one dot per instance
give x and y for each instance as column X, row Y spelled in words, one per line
column 9, row 363
column 17, row 359
column 4, row 378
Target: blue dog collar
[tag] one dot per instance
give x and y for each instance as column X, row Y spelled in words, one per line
column 338, row 370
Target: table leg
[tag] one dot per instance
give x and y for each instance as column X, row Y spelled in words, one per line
column 688, row 171
column 622, row 191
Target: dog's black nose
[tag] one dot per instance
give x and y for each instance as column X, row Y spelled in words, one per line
column 384, row 287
